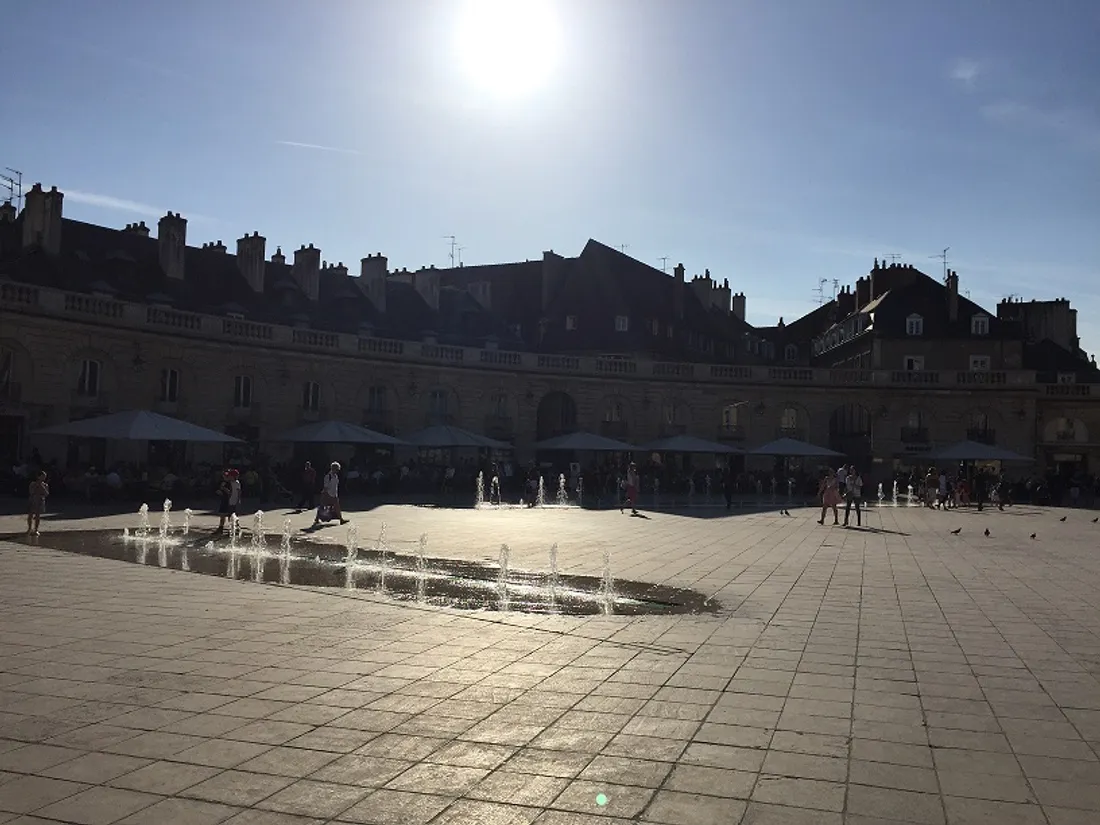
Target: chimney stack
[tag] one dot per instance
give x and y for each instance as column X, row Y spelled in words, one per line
column 278, row 258
column 7, row 212
column 250, row 260
column 426, row 282
column 172, row 243
column 139, row 229
column 739, row 305
column 678, row 291
column 307, row 271
column 952, row 284
column 42, row 219
column 372, row 280
column 863, row 293
column 845, row 303
column 553, row 276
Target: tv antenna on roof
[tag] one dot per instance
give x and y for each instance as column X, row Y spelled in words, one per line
column 893, row 256
column 943, row 257
column 14, row 184
column 623, row 247
column 460, row 255
column 454, row 245
column 819, row 293
column 664, row 263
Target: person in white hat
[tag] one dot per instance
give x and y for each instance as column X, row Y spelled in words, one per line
column 330, row 496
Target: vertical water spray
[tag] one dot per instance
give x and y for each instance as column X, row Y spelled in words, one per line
column 162, row 538
column 555, row 577
column 894, row 496
column 125, row 533
column 187, row 514
column 909, row 496
column 259, row 545
column 494, row 491
column 479, row 492
column 881, row 494
column 502, row 576
column 421, row 567
column 231, row 564
column 607, row 585
column 563, row 495
column 352, row 544
column 540, row 496
column 382, row 558
column 143, row 521
column 185, row 561
column 284, row 555
column 580, row 491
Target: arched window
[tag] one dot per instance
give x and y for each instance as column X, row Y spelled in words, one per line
column 242, row 392
column 788, row 419
column 88, row 382
column 311, row 396
column 169, row 385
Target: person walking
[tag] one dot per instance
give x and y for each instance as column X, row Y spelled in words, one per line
column 39, row 491
column 830, row 496
column 330, row 496
column 307, row 500
column 230, row 494
column 853, row 495
column 632, row 488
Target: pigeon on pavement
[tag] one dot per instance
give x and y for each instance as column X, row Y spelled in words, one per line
column 1033, row 535
column 987, row 531
column 1063, row 518
column 956, row 531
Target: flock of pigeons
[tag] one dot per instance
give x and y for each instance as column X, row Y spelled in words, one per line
column 958, row 530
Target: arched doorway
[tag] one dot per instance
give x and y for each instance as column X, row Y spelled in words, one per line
column 850, row 432
column 557, row 415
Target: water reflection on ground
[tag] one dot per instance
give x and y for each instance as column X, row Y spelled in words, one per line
column 439, row 582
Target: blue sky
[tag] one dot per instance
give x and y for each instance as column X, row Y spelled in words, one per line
column 775, row 142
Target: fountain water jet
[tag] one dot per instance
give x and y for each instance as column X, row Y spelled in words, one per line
column 234, row 532
column 479, row 492
column 166, row 520
column 555, row 576
column 909, row 496
column 382, row 561
column 187, row 513
column 494, row 491
column 881, row 494
column 143, row 521
column 580, row 491
column 894, row 494
column 284, row 557
column 125, row 533
column 607, row 585
column 352, row 554
column 563, row 496
column 421, row 567
column 540, row 496
column 259, row 544
column 502, row 576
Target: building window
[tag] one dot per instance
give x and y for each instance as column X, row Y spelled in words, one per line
column 668, row 330
column 914, row 325
column 499, row 405
column 88, row 384
column 731, row 415
column 570, row 321
column 790, row 353
column 1067, row 378
column 622, row 323
column 979, row 325
column 916, row 420
column 788, row 419
column 242, row 392
column 311, row 396
column 169, row 385
column 376, row 399
column 979, row 363
column 437, row 402
column 914, row 363
column 656, row 327
column 613, row 412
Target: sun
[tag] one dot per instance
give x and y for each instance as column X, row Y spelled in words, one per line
column 508, row 47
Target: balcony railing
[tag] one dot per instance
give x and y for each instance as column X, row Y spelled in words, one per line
column 501, row 427
column 244, row 332
column 614, row 429
column 731, row 432
column 379, row 420
column 914, row 435
column 983, row 435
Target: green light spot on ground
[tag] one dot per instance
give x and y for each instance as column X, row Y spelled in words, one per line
column 601, row 799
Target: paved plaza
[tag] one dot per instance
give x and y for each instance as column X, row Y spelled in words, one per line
column 897, row 673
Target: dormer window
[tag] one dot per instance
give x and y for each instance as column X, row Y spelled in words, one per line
column 979, row 325
column 570, row 322
column 622, row 323
column 914, row 325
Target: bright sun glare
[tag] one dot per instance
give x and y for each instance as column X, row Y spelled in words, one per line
column 508, row 47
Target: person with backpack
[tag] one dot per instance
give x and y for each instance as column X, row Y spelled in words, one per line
column 853, row 494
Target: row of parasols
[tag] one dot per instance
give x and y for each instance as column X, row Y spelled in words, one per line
column 144, row 425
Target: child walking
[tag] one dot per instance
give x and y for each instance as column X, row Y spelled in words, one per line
column 39, row 491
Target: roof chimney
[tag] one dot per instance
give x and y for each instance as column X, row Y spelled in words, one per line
column 42, row 219
column 952, row 284
column 372, row 279
column 739, row 305
column 278, row 258
column 250, row 259
column 678, row 291
column 307, row 271
column 172, row 243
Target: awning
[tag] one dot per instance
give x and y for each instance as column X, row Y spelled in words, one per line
column 137, row 425
column 793, row 448
column 688, row 444
column 335, row 432
column 976, row 451
column 444, row 436
column 585, row 441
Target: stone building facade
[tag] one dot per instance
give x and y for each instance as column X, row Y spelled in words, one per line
column 498, row 350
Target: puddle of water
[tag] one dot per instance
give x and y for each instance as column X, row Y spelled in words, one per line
column 465, row 585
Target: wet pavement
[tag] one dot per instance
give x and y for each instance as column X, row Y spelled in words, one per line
column 895, row 673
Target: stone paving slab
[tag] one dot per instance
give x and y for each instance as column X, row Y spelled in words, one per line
column 898, row 673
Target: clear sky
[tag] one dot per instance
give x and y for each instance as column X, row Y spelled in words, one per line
column 775, row 142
